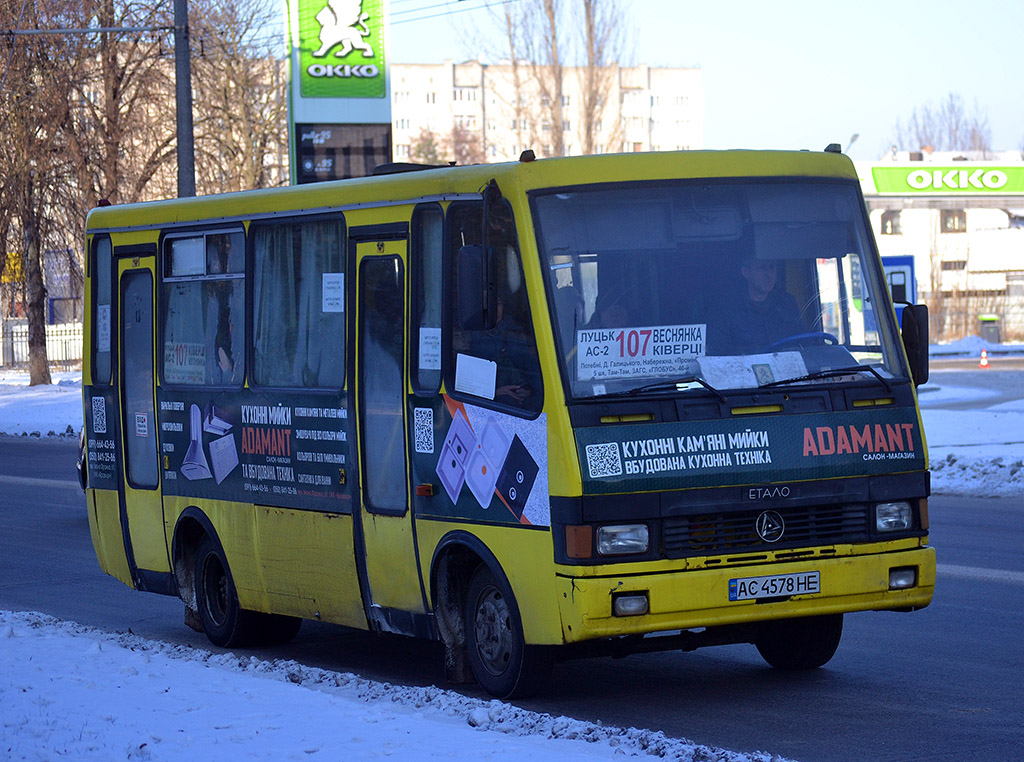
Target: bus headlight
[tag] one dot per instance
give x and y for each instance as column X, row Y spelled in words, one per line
column 893, row 517
column 621, row 539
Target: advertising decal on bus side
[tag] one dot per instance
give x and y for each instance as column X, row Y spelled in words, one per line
column 757, row 449
column 289, row 449
column 487, row 463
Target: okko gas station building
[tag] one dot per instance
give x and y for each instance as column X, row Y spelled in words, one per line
column 950, row 229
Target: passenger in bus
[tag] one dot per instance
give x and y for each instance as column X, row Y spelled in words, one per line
column 610, row 314
column 224, row 368
column 759, row 315
column 514, row 384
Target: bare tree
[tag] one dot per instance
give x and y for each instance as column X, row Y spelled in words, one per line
column 603, row 38
column 467, row 146
column 427, row 148
column 240, row 94
column 950, row 126
column 88, row 117
column 545, row 54
column 34, row 113
column 542, row 41
column 119, row 141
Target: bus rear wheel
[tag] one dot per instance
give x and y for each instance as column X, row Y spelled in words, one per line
column 225, row 623
column 804, row 643
column 502, row 663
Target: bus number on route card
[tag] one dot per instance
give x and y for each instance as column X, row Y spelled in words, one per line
column 637, row 351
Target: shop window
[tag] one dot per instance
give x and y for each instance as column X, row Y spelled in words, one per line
column 953, row 221
column 891, row 222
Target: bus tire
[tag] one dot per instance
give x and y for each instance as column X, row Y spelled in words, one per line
column 804, row 643
column 224, row 621
column 502, row 663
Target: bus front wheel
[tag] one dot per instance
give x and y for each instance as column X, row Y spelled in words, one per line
column 804, row 643
column 502, row 663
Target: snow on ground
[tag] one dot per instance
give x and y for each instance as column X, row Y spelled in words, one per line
column 69, row 691
column 75, row 692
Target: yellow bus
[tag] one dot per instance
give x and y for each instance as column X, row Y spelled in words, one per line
column 535, row 410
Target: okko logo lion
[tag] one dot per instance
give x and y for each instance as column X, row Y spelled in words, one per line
column 343, row 22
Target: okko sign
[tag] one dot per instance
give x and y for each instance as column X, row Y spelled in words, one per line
column 967, row 178
column 341, row 48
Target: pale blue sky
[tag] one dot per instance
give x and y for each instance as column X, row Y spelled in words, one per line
column 797, row 73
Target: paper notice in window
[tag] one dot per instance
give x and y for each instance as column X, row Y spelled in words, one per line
column 475, row 375
column 430, row 348
column 103, row 328
column 660, row 350
column 333, row 292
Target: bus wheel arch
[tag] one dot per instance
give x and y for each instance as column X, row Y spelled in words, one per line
column 207, row 587
column 191, row 527
column 479, row 621
column 455, row 558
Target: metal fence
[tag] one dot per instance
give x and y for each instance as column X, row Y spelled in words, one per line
column 63, row 343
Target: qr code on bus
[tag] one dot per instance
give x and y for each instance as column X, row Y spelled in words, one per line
column 423, row 429
column 604, row 460
column 99, row 415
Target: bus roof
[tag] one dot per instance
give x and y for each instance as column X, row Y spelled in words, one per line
column 441, row 182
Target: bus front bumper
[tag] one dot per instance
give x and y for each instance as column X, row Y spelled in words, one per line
column 688, row 599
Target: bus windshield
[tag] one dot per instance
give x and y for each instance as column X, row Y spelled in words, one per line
column 714, row 286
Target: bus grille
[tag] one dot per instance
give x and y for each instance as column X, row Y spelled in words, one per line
column 712, row 533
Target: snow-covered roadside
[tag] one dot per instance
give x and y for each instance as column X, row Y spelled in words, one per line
column 79, row 693
column 54, row 410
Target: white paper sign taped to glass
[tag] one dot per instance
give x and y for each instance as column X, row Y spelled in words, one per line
column 604, row 353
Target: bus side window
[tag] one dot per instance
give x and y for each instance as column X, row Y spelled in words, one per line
column 101, row 307
column 509, row 343
column 203, row 309
column 426, row 270
column 299, row 304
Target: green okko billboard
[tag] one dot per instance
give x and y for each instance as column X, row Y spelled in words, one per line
column 341, row 48
column 965, row 178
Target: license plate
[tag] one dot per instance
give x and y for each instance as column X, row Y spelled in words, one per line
column 774, row 586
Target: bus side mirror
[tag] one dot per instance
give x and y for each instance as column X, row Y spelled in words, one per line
column 915, row 341
column 477, row 307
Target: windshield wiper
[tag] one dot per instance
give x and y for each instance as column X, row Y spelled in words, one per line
column 829, row 373
column 666, row 385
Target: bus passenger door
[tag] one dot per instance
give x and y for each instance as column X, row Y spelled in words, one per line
column 392, row 583
column 143, row 507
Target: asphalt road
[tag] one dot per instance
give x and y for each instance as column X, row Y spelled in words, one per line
column 939, row 684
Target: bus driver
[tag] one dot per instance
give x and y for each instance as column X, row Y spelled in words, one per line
column 759, row 315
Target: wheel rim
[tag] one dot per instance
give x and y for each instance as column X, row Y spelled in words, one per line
column 492, row 628
column 215, row 589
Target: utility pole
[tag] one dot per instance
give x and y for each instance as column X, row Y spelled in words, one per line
column 183, row 86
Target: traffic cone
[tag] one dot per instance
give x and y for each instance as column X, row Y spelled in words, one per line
column 984, row 359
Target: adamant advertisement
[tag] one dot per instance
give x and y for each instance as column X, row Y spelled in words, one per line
column 283, row 450
column 756, row 449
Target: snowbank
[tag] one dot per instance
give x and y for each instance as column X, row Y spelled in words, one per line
column 79, row 693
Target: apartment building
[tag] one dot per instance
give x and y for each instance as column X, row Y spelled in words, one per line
column 502, row 110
